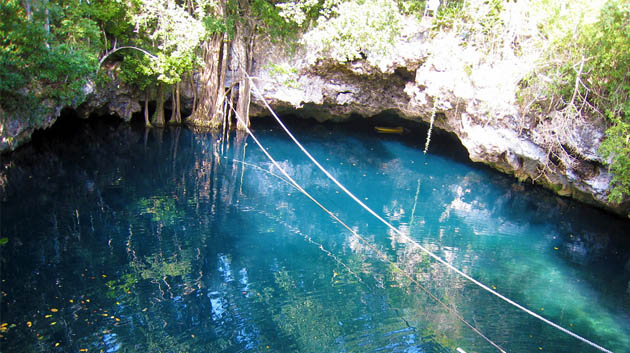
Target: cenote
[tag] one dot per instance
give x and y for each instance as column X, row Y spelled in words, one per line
column 126, row 240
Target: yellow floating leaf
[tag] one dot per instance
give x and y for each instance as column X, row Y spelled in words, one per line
column 87, row 300
column 542, row 309
column 104, row 276
column 117, row 319
column 53, row 323
column 83, row 350
column 555, row 248
column 54, row 310
column 106, row 314
column 71, row 301
column 48, row 316
column 493, row 287
column 117, row 303
column 57, row 344
column 29, row 324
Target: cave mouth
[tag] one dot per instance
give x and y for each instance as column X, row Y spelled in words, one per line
column 414, row 132
column 69, row 126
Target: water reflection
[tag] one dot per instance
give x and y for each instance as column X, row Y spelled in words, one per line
column 178, row 240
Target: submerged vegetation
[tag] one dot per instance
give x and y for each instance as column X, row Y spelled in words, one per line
column 51, row 49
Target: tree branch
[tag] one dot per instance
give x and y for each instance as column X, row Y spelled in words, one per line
column 107, row 54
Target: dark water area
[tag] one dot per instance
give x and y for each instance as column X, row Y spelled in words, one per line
column 121, row 239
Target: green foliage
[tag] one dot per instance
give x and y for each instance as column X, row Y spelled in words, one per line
column 616, row 146
column 175, row 35
column 355, row 29
column 450, row 14
column 285, row 74
column 590, row 77
column 214, row 24
column 608, row 45
column 48, row 55
column 113, row 17
column 272, row 22
column 477, row 21
column 409, row 7
column 287, row 18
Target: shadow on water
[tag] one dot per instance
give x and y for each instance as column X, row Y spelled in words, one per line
column 366, row 138
column 126, row 239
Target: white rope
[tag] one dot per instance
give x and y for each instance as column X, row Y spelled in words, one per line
column 411, row 240
column 362, row 239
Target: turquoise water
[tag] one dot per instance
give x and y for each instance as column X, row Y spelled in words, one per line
column 121, row 240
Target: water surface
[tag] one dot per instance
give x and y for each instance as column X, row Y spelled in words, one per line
column 123, row 240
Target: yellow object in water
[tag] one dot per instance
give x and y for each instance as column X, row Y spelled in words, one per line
column 389, row 130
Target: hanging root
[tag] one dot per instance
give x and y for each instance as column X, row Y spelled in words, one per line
column 433, row 111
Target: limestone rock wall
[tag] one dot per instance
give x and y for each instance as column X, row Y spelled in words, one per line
column 472, row 93
column 473, row 96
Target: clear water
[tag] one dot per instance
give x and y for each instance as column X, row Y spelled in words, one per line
column 121, row 241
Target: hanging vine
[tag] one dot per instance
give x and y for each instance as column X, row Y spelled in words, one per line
column 433, row 112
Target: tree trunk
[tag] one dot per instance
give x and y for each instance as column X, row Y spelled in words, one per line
column 171, row 120
column 158, row 116
column 194, row 92
column 219, row 108
column 147, row 123
column 178, row 105
column 28, row 9
column 211, row 82
column 47, row 19
column 241, row 66
column 209, row 110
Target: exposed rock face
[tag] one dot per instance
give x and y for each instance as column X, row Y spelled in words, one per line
column 114, row 98
column 15, row 131
column 472, row 96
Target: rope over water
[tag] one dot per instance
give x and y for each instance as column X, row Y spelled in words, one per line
column 408, row 238
column 362, row 239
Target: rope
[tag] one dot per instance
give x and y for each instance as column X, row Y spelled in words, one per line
column 354, row 233
column 310, row 240
column 411, row 240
